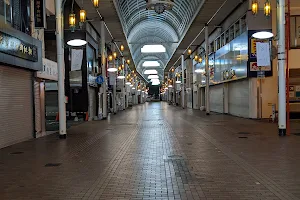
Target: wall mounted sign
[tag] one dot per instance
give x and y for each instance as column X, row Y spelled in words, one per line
column 39, row 13
column 49, row 70
column 253, row 66
column 99, row 80
column 16, row 47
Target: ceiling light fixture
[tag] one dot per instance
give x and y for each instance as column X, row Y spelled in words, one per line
column 122, row 47
column 76, row 42
column 267, row 8
column 112, row 69
column 153, row 77
column 121, row 77
column 96, row 3
column 254, row 7
column 263, row 35
column 115, row 55
column 151, row 64
column 72, row 21
column 199, row 70
column 153, row 49
column 151, row 71
column 82, row 16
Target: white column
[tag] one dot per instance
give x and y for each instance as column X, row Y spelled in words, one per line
column 61, row 70
column 183, row 84
column 126, row 86
column 123, row 86
column 103, row 63
column 207, row 99
column 114, row 94
column 281, row 69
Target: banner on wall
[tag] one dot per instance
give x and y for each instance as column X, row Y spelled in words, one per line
column 76, row 59
column 263, row 54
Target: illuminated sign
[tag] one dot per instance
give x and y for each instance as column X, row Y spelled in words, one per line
column 16, row 47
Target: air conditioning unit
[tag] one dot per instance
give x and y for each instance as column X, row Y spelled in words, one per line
column 159, row 6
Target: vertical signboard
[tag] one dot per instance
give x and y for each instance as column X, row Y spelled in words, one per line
column 253, row 67
column 39, row 13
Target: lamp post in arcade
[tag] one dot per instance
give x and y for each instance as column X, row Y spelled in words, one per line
column 61, row 69
column 281, row 54
column 281, row 68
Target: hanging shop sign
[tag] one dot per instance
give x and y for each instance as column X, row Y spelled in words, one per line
column 19, row 48
column 39, row 13
column 49, row 70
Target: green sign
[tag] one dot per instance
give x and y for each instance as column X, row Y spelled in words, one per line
column 16, row 47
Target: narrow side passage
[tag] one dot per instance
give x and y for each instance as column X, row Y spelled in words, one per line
column 155, row 151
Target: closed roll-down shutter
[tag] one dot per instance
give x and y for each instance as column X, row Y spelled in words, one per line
column 216, row 98
column 16, row 105
column 92, row 102
column 239, row 98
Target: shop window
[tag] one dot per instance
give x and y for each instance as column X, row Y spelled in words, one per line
column 231, row 33
column 295, row 31
column 211, row 47
column 243, row 24
column 237, row 29
column 227, row 37
column 5, row 10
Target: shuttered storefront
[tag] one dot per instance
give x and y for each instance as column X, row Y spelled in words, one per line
column 216, row 98
column 16, row 105
column 239, row 98
column 92, row 102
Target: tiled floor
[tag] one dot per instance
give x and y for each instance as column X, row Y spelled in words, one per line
column 156, row 151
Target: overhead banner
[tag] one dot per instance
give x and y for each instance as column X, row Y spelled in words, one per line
column 112, row 78
column 39, row 13
column 76, row 59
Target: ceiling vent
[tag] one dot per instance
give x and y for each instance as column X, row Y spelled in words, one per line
column 159, row 6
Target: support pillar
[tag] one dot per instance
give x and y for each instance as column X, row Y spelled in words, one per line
column 127, row 88
column 114, row 94
column 61, row 70
column 103, row 67
column 183, row 81
column 281, row 68
column 123, row 86
column 207, row 71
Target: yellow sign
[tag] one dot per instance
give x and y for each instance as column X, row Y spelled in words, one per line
column 253, row 46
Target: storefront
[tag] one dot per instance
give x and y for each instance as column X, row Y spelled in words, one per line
column 20, row 56
column 45, row 96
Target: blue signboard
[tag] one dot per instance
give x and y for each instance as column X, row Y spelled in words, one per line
column 99, row 80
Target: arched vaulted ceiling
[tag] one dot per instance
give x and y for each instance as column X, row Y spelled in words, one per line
column 142, row 27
